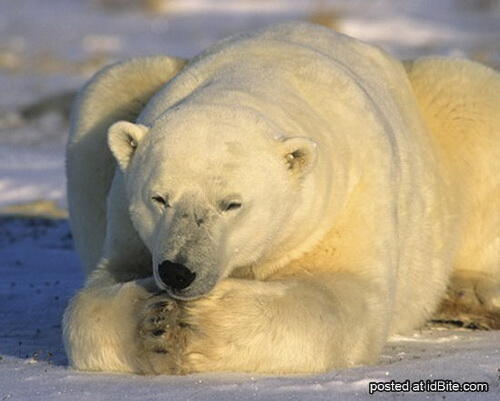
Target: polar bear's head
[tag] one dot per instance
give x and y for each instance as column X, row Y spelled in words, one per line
column 209, row 192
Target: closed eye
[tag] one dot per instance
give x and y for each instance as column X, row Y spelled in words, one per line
column 160, row 200
column 233, row 206
column 227, row 206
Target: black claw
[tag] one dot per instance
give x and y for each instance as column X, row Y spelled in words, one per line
column 157, row 320
column 160, row 351
column 159, row 332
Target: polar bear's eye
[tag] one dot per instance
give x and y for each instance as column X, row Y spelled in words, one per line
column 230, row 203
column 233, row 206
column 160, row 200
column 228, row 206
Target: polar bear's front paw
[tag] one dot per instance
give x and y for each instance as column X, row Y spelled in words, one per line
column 162, row 336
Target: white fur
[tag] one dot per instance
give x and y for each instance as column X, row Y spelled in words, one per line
column 362, row 185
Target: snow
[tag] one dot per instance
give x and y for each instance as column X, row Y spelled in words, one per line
column 50, row 47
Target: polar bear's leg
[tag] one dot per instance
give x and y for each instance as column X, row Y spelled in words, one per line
column 124, row 254
column 118, row 92
column 101, row 321
column 459, row 102
column 293, row 325
column 100, row 325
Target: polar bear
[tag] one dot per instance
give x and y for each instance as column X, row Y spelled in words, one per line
column 281, row 203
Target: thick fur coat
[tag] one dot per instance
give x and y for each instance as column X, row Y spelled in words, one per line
column 312, row 193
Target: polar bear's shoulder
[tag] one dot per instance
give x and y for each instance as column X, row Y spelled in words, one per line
column 117, row 92
column 120, row 91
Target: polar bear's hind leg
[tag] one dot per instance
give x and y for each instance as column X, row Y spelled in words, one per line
column 459, row 101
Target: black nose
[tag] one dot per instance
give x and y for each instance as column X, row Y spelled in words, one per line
column 175, row 275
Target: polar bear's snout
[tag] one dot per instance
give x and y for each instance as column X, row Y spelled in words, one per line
column 175, row 275
column 186, row 259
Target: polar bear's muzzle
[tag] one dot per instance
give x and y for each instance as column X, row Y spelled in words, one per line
column 186, row 262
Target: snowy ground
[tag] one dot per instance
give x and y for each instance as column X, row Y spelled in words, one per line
column 48, row 48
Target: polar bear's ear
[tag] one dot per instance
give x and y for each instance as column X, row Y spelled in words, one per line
column 123, row 139
column 300, row 154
